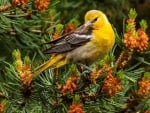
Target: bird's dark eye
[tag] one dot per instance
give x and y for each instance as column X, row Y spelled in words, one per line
column 95, row 19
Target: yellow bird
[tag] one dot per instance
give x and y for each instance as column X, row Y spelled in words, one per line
column 91, row 41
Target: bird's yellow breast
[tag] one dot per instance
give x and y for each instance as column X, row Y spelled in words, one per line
column 104, row 38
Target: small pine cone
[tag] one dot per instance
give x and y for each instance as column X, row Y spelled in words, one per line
column 142, row 41
column 129, row 41
column 2, row 107
column 131, row 24
column 41, row 5
column 76, row 108
column 5, row 7
column 147, row 111
column 111, row 85
column 26, row 77
column 20, row 2
column 70, row 85
column 124, row 58
column 69, row 28
column 144, row 88
column 55, row 36
column 96, row 73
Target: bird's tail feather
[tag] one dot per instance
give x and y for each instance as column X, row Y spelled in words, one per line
column 54, row 62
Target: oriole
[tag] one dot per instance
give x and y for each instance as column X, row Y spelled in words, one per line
column 91, row 41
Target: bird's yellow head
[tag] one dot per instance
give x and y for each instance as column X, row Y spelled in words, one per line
column 97, row 18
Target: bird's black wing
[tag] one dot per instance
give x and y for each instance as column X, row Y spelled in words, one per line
column 70, row 41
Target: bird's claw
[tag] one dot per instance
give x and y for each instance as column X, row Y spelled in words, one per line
column 85, row 67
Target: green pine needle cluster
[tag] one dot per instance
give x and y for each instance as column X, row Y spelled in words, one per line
column 25, row 30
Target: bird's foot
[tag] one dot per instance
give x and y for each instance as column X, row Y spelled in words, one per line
column 86, row 68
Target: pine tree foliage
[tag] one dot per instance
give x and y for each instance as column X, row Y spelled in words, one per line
column 119, row 83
